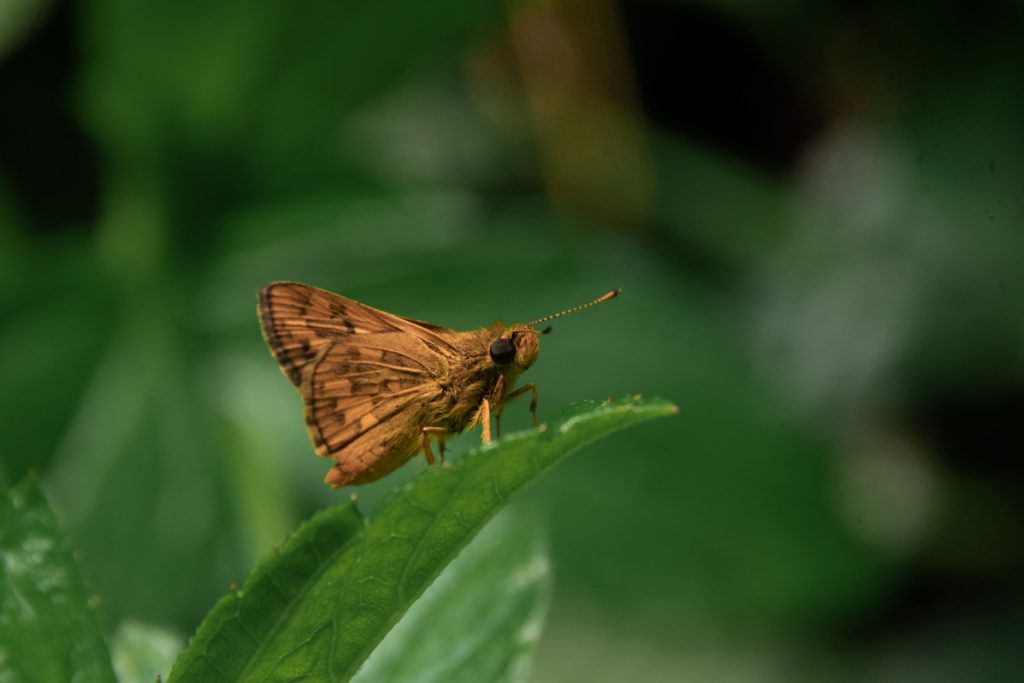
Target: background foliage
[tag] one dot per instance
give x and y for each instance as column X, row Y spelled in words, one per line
column 814, row 211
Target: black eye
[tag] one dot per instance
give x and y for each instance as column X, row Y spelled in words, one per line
column 503, row 351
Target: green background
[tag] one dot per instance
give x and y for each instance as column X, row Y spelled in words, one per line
column 814, row 211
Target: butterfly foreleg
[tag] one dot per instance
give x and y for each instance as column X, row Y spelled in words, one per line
column 533, row 399
column 485, row 419
column 439, row 433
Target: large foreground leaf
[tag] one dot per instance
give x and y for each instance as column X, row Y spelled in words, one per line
column 47, row 630
column 482, row 617
column 315, row 610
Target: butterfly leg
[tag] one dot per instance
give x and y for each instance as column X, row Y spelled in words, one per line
column 485, row 418
column 533, row 399
column 425, row 434
column 495, row 397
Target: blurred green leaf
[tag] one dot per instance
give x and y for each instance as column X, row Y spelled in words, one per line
column 480, row 620
column 288, row 618
column 142, row 651
column 143, row 442
column 47, row 630
column 737, row 217
column 211, row 93
column 17, row 19
column 49, row 344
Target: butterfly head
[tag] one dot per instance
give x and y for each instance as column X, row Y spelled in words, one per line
column 518, row 345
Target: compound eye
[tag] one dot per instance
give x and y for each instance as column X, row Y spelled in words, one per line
column 503, row 351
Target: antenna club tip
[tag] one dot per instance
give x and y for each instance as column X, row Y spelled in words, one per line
column 610, row 295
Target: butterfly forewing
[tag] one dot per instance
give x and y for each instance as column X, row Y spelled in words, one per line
column 362, row 373
column 299, row 322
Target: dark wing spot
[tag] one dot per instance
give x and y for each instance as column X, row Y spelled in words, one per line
column 394, row 358
column 399, row 383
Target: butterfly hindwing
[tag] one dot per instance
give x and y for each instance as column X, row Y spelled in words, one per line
column 361, row 382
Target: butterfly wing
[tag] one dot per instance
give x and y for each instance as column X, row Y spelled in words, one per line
column 364, row 374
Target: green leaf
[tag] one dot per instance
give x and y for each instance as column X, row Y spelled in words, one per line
column 321, row 605
column 47, row 630
column 231, row 640
column 482, row 617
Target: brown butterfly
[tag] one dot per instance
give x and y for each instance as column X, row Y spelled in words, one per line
column 378, row 387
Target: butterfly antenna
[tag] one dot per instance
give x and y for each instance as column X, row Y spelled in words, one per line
column 600, row 300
